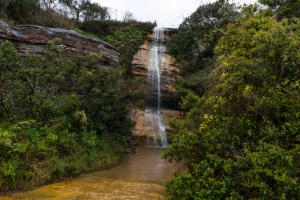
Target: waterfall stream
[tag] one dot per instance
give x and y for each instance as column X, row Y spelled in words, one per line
column 153, row 113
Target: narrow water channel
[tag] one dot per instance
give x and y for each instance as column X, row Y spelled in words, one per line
column 140, row 175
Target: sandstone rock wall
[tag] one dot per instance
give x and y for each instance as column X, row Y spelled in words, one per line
column 35, row 39
column 168, row 72
column 144, row 132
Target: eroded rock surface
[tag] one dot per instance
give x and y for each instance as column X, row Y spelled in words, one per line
column 140, row 60
column 148, row 125
column 168, row 72
column 35, row 39
column 143, row 133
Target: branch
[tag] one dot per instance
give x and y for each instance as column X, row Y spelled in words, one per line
column 33, row 88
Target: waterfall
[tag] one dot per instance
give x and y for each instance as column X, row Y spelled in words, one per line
column 153, row 113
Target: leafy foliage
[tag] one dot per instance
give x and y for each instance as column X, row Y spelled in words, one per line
column 21, row 10
column 125, row 36
column 127, row 40
column 95, row 12
column 193, row 45
column 284, row 9
column 199, row 28
column 241, row 139
column 106, row 102
column 52, row 13
column 47, row 131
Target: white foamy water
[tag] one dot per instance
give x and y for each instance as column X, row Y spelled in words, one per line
column 156, row 58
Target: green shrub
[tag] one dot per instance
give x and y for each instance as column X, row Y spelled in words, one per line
column 241, row 139
column 46, row 133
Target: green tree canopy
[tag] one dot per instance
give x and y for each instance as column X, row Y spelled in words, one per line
column 193, row 45
column 77, row 7
column 21, row 10
column 95, row 12
column 241, row 140
column 284, row 8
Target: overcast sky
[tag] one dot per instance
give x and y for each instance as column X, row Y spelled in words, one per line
column 167, row 13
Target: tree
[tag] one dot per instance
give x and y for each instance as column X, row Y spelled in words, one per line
column 127, row 40
column 21, row 10
column 195, row 28
column 275, row 3
column 95, row 12
column 289, row 10
column 193, row 45
column 106, row 103
column 48, row 4
column 3, row 5
column 284, row 8
column 128, row 16
column 9, row 66
column 77, row 7
column 45, row 129
column 241, row 139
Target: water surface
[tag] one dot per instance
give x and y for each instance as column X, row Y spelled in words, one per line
column 140, row 175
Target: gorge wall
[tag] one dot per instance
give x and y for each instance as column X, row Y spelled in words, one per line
column 168, row 70
column 143, row 62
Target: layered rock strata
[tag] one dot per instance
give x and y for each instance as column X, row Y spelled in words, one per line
column 168, row 72
column 35, row 39
column 144, row 132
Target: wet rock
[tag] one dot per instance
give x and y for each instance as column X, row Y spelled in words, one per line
column 144, row 134
column 168, row 71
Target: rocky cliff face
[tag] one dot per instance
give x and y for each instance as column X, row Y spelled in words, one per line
column 35, row 39
column 168, row 72
column 145, row 131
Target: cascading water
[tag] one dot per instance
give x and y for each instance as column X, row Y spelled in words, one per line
column 156, row 59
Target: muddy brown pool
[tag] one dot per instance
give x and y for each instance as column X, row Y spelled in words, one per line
column 140, row 175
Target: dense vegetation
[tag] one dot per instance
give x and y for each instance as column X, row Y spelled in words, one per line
column 47, row 133
column 125, row 36
column 241, row 136
column 83, row 16
column 59, row 116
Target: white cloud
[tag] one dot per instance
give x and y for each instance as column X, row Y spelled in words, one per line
column 167, row 13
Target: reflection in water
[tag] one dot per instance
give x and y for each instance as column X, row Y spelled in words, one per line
column 140, row 175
